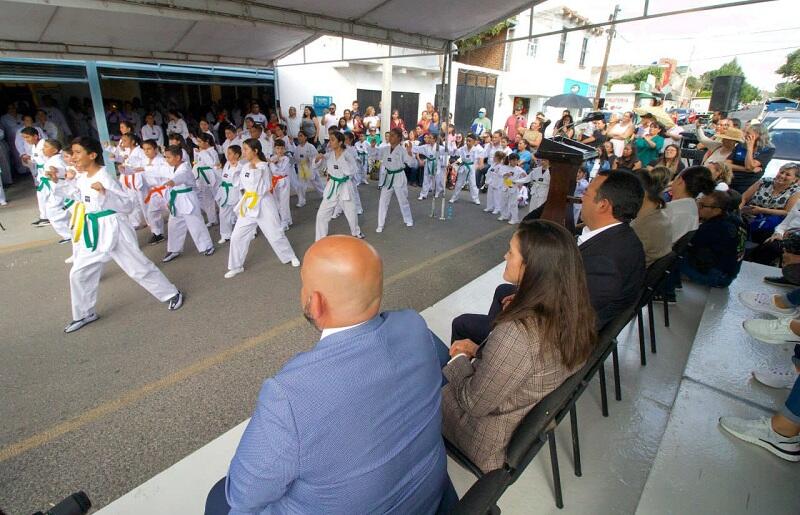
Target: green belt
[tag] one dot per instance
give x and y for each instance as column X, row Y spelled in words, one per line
column 201, row 170
column 391, row 173
column 361, row 157
column 468, row 166
column 91, row 219
column 430, row 165
column 43, row 181
column 68, row 203
column 227, row 186
column 174, row 193
column 337, row 181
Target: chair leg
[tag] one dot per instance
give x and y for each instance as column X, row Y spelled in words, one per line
column 576, row 446
column 652, row 327
column 551, row 437
column 642, row 354
column 615, row 363
column 666, row 312
column 603, row 394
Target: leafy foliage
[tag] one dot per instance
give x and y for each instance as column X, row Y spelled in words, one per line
column 638, row 76
column 791, row 71
column 471, row 42
column 748, row 92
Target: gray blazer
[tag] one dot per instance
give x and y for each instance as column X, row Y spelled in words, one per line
column 485, row 400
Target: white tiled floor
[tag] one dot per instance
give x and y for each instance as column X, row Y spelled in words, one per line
column 660, row 451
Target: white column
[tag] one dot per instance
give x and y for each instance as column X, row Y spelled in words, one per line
column 386, row 95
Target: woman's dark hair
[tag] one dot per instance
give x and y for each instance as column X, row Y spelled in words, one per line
column 133, row 137
column 174, row 112
column 339, row 137
column 175, row 150
column 54, row 143
column 624, row 192
column 153, row 143
column 311, row 112
column 552, row 297
column 279, row 143
column 29, row 131
column 722, row 200
column 206, row 137
column 90, row 145
column 698, row 180
column 255, row 146
column 181, row 143
column 236, row 149
column 654, row 182
column 127, row 124
column 628, row 162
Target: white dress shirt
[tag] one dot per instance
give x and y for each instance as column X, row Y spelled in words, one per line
column 588, row 234
column 333, row 330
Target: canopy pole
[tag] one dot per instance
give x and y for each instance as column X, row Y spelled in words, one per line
column 99, row 111
column 386, row 95
column 444, row 117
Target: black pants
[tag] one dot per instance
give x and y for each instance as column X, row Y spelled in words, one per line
column 477, row 327
column 766, row 253
column 480, row 176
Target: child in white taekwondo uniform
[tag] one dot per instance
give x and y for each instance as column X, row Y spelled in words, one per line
column 184, row 207
column 257, row 208
column 33, row 157
column 66, row 189
column 152, row 131
column 131, row 157
column 513, row 178
column 349, row 141
column 54, row 170
column 229, row 192
column 494, row 184
column 470, row 158
column 362, row 151
column 305, row 154
column 289, row 150
column 394, row 159
column 280, row 166
column 231, row 138
column 104, row 234
column 339, row 190
column 155, row 200
column 539, row 179
column 205, row 161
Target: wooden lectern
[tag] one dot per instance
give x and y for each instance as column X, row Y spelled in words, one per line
column 565, row 156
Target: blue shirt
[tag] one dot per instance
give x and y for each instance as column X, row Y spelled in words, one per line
column 351, row 426
column 524, row 159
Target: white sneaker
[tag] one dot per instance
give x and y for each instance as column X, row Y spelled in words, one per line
column 776, row 377
column 775, row 331
column 410, row 224
column 452, row 201
column 420, row 198
column 295, row 262
column 512, row 222
column 77, row 324
column 487, row 210
column 764, row 303
column 300, row 205
column 495, row 212
column 760, row 432
column 223, row 241
column 379, row 229
column 233, row 273
column 501, row 219
column 477, row 202
column 69, row 260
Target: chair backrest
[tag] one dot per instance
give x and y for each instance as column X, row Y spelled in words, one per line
column 680, row 246
column 655, row 275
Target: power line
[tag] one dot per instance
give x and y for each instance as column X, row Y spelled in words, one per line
column 745, row 53
column 727, row 34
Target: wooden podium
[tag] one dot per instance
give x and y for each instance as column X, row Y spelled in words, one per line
column 566, row 156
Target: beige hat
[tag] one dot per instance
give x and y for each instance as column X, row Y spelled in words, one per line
column 733, row 134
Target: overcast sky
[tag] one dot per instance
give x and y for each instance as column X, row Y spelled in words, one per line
column 760, row 35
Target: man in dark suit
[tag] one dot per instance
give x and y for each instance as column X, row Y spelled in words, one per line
column 613, row 256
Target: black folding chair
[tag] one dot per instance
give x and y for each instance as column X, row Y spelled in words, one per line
column 654, row 279
column 680, row 248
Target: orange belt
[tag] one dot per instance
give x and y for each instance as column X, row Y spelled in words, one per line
column 129, row 180
column 157, row 189
column 275, row 180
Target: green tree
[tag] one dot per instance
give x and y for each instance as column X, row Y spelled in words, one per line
column 748, row 92
column 791, row 71
column 693, row 84
column 638, row 76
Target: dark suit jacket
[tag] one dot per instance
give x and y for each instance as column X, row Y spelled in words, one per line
column 614, row 263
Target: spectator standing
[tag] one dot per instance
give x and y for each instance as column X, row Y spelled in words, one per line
column 396, row 122
column 435, row 126
column 373, row 120
column 293, row 124
column 649, row 144
column 355, row 109
column 565, row 126
column 256, row 115
column 750, row 158
column 329, row 119
column 620, row 130
column 310, row 124
column 534, row 134
column 481, row 124
column 513, row 122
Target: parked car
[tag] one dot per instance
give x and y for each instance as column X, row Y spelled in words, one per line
column 784, row 135
column 683, row 116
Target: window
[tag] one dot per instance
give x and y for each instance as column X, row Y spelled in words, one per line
column 584, row 47
column 562, row 47
column 533, row 46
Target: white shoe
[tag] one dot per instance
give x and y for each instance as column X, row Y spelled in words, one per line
column 233, row 273
column 410, row 224
column 775, row 331
column 501, row 219
column 3, row 203
column 452, row 201
column 360, row 212
column 170, row 256
column 495, row 212
column 379, row 229
column 300, row 205
column 760, row 432
column 776, row 377
column 77, row 324
column 223, row 240
column 764, row 303
column 511, row 222
column 69, row 260
column 420, row 198
column 487, row 210
column 295, row 262
column 477, row 202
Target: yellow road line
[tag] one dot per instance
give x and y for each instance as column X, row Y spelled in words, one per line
column 128, row 398
column 26, row 245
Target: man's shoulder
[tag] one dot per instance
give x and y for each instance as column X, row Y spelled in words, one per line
column 618, row 240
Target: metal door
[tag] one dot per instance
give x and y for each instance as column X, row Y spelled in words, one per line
column 368, row 97
column 473, row 91
column 407, row 104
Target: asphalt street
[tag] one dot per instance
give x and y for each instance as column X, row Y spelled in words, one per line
column 108, row 407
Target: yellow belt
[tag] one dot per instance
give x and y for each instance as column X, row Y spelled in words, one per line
column 77, row 221
column 252, row 196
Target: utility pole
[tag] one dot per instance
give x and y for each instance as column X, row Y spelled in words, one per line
column 612, row 30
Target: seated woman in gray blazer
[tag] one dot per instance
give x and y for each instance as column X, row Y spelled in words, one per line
column 544, row 334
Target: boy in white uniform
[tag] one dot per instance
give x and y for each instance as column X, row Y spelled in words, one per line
column 133, row 182
column 362, row 151
column 470, row 158
column 54, row 169
column 429, row 156
column 539, row 179
column 155, row 200
column 257, row 208
column 280, row 169
column 339, row 190
column 304, row 156
column 206, row 160
column 103, row 234
column 229, row 192
column 514, row 178
column 33, row 157
column 152, row 131
column 494, row 185
column 184, row 207
column 394, row 159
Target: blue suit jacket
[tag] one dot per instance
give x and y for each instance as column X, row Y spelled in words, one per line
column 351, row 426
